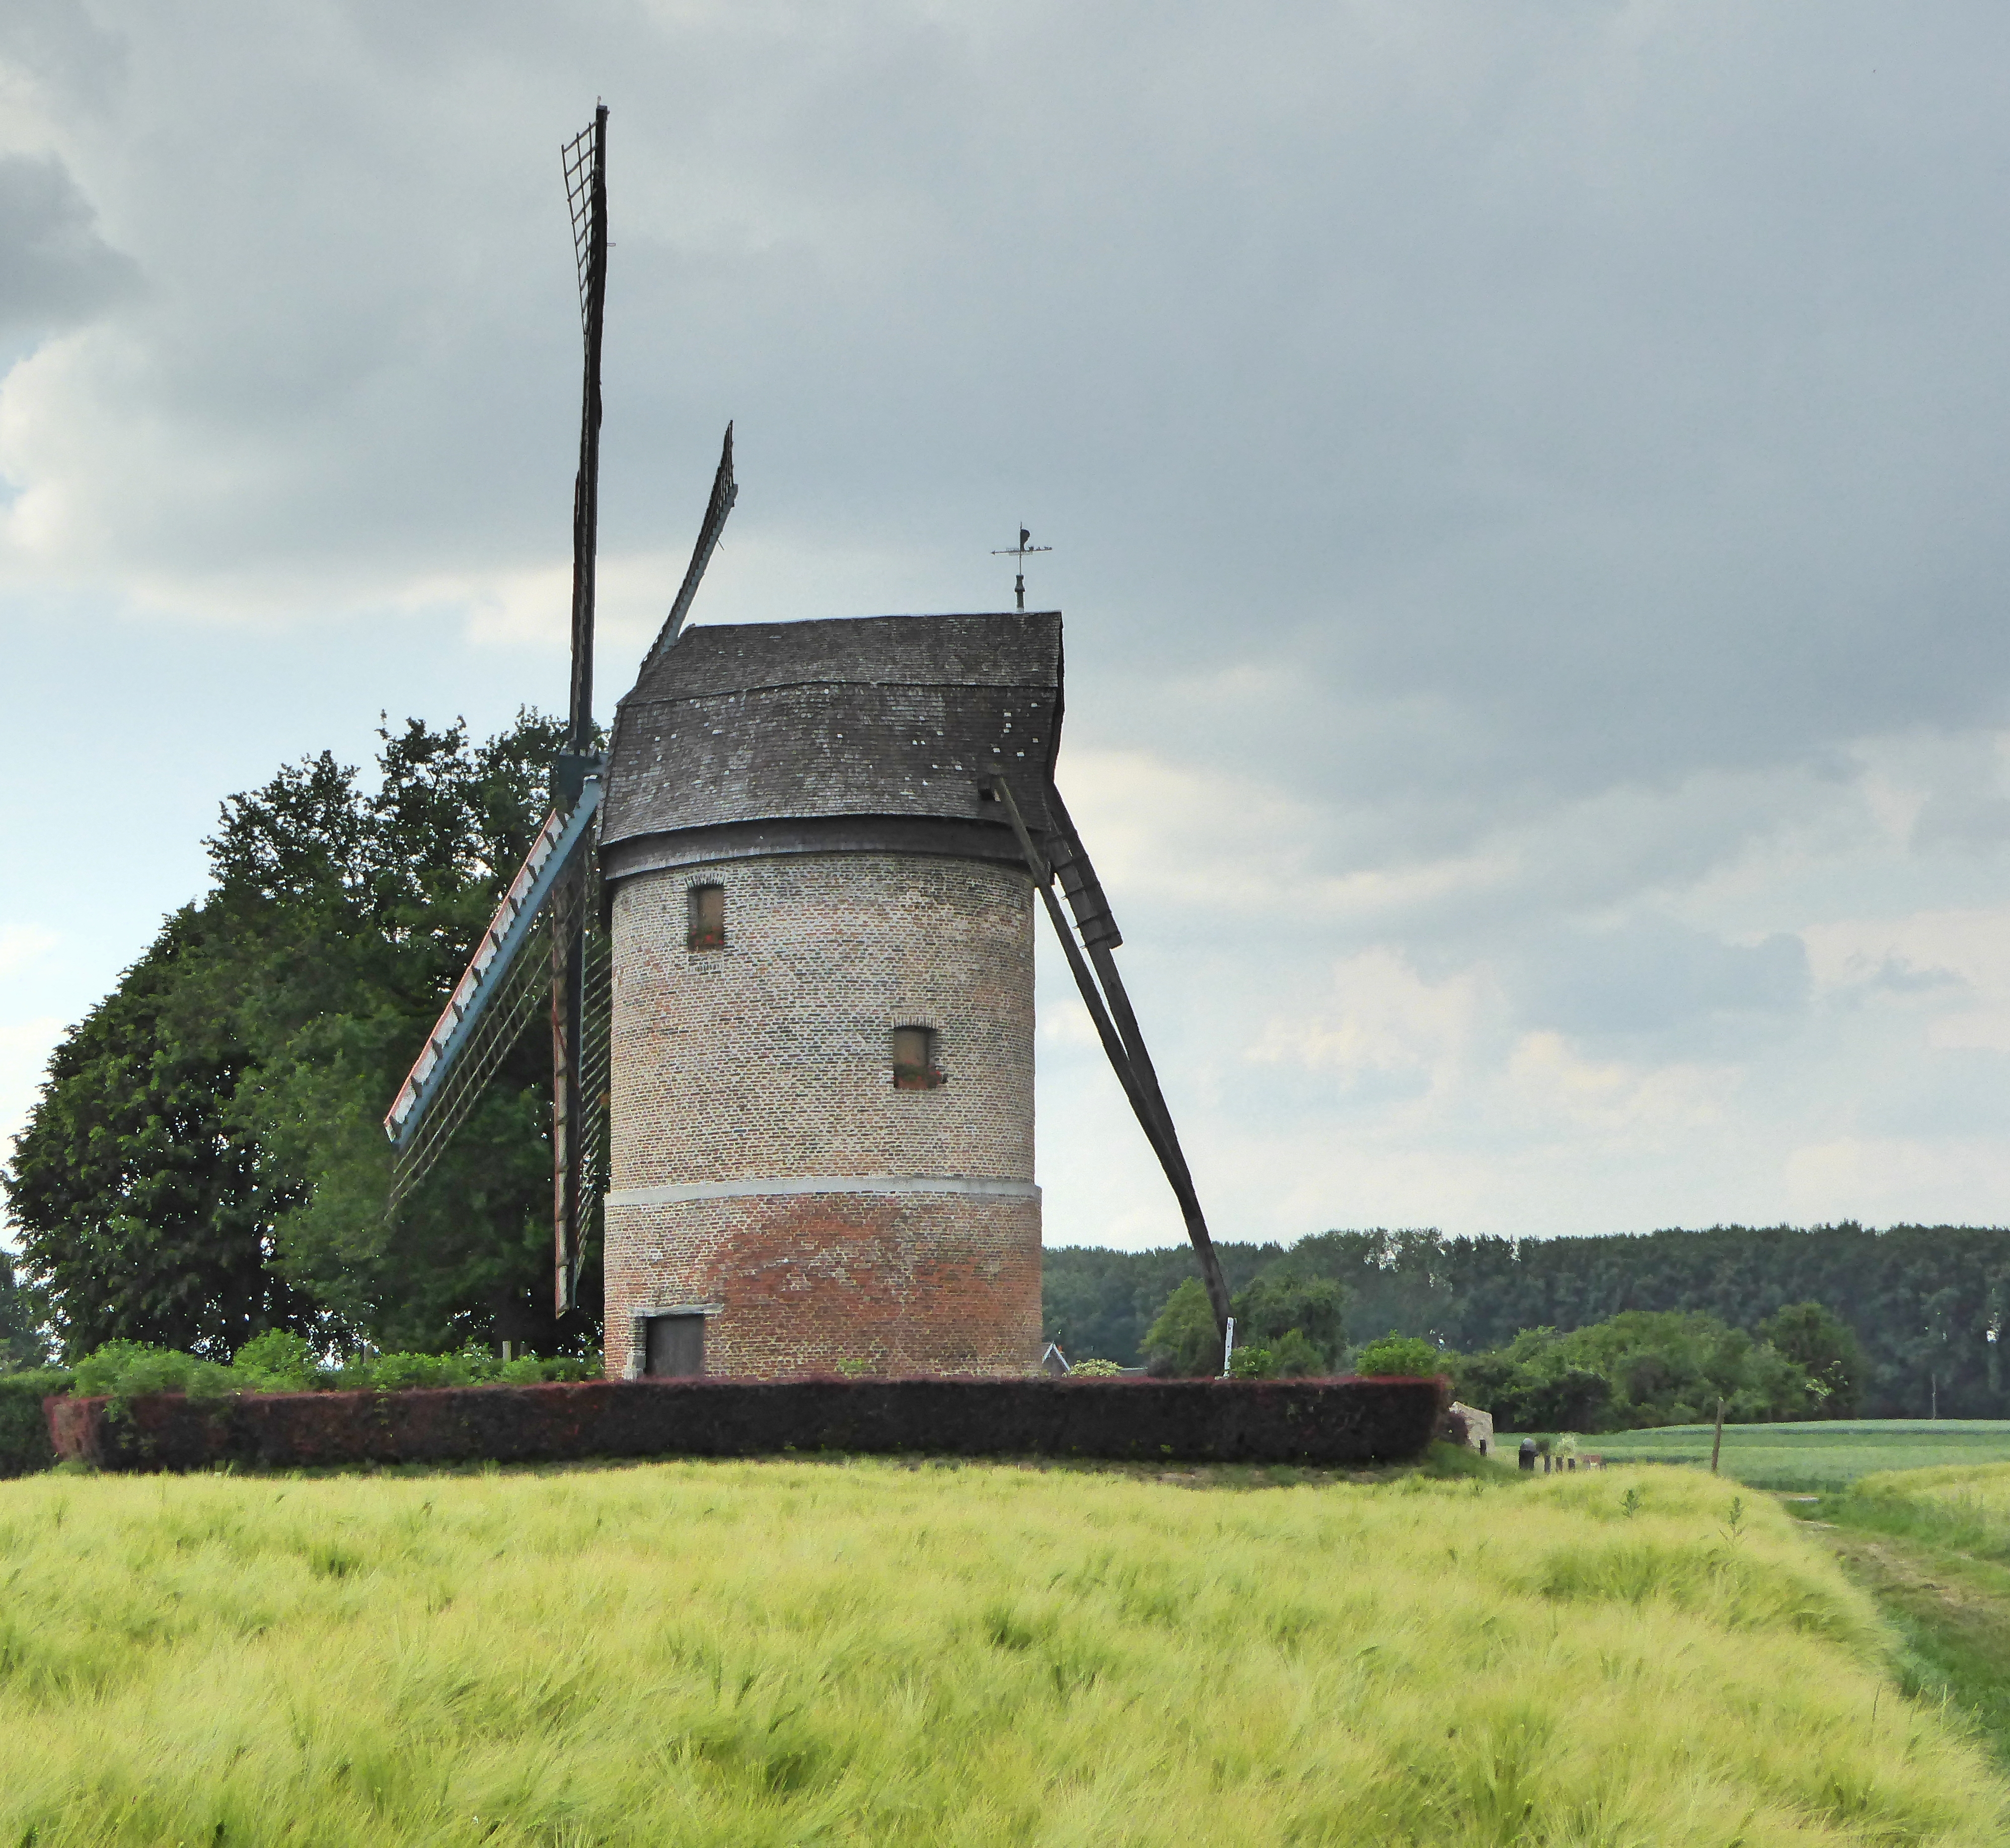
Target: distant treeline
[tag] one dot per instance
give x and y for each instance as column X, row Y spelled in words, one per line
column 1928, row 1303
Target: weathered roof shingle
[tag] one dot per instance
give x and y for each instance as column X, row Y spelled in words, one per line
column 870, row 715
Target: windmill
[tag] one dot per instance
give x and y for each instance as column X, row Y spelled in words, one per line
column 785, row 929
column 546, row 937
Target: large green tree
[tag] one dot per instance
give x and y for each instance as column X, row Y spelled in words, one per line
column 1826, row 1348
column 135, row 1188
column 206, row 1159
column 23, row 1344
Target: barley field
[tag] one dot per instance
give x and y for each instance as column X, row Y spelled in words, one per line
column 1976, row 1493
column 1809, row 1459
column 864, row 1652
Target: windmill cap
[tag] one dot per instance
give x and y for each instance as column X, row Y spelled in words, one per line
column 897, row 718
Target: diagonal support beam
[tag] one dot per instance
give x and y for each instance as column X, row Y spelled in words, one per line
column 1108, row 1005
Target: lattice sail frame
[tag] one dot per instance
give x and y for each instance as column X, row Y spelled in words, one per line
column 553, row 902
column 576, row 156
column 521, row 1002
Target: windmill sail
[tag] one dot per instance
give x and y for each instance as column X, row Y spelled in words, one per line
column 1064, row 861
column 725, row 491
column 585, row 162
column 575, row 1104
column 547, row 927
column 486, row 1013
column 549, row 937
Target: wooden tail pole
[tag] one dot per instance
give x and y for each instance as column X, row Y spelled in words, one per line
column 1717, row 1443
column 1117, row 1027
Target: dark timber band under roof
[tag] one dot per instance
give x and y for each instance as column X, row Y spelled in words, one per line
column 763, row 735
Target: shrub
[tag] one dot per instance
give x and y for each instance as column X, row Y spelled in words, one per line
column 1321, row 1421
column 468, row 1366
column 1399, row 1356
column 1297, row 1358
column 1289, row 1357
column 1183, row 1341
column 1293, row 1321
column 529, row 1370
column 1279, row 1304
column 279, row 1361
column 1641, row 1368
column 24, row 1431
column 276, row 1361
column 124, row 1370
column 1094, row 1370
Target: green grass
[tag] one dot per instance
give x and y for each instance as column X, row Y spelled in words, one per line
column 1933, row 1546
column 864, row 1652
column 1808, row 1458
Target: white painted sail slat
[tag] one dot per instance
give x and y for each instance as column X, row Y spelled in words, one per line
column 558, row 840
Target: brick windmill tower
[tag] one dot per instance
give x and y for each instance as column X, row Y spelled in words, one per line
column 822, row 938
column 788, row 923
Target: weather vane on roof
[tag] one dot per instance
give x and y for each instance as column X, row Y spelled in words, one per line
column 1021, row 551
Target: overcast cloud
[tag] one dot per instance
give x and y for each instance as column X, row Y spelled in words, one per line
column 1528, row 489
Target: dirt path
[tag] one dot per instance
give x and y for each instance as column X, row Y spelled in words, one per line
column 1951, row 1609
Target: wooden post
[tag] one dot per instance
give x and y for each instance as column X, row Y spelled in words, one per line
column 1717, row 1443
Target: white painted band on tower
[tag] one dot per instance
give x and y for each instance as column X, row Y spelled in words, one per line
column 825, row 1184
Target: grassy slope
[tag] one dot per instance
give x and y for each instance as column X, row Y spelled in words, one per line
column 789, row 1653
column 1933, row 1546
column 1810, row 1459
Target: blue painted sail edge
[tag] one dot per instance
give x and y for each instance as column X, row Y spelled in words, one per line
column 557, row 845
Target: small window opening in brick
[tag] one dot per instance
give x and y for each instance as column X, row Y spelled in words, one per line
column 915, row 1066
column 708, row 917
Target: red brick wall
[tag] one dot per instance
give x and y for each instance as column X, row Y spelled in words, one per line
column 896, row 1284
column 771, row 1059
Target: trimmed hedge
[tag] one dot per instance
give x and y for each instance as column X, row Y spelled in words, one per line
column 1302, row 1421
column 24, row 1428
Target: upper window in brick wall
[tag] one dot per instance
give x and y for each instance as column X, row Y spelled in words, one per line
column 915, row 1066
column 707, row 916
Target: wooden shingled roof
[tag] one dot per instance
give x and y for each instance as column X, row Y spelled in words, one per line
column 869, row 715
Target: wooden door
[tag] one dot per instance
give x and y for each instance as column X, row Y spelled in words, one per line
column 675, row 1347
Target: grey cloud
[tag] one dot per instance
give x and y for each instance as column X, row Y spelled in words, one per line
column 56, row 270
column 58, row 50
column 1895, row 975
column 1653, row 976
column 1551, row 440
column 1550, row 388
column 1963, row 819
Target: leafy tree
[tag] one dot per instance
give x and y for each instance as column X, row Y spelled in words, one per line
column 135, row 1186
column 1103, row 1302
column 1285, row 1324
column 1399, row 1356
column 1824, row 1347
column 1635, row 1369
column 1930, row 1305
column 1279, row 1303
column 1293, row 1356
column 205, row 1161
column 1183, row 1341
column 23, row 1344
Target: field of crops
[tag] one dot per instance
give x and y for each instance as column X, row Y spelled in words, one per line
column 1810, row 1459
column 1976, row 1495
column 1933, row 1547
column 787, row 1653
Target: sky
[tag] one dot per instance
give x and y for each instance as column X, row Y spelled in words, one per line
column 1527, row 489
